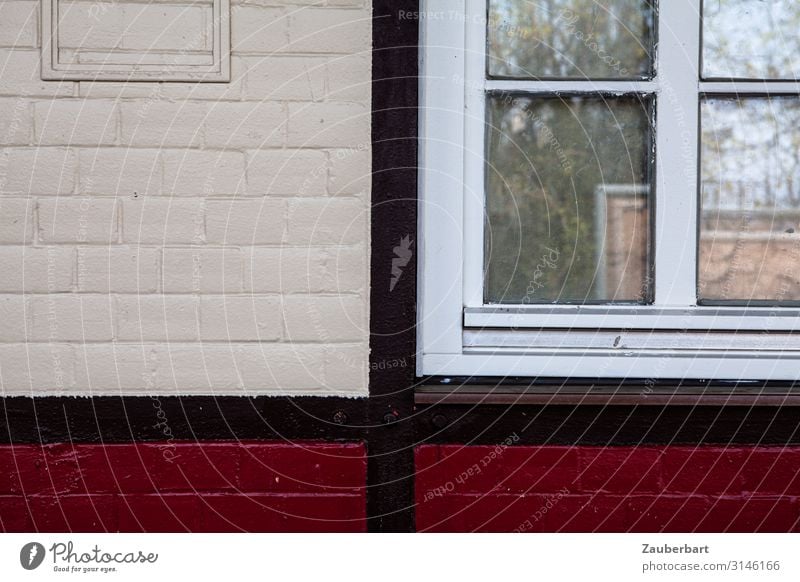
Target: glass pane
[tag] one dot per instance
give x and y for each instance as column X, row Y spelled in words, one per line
column 751, row 39
column 750, row 200
column 580, row 39
column 567, row 199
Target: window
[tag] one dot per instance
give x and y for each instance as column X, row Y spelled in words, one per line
column 610, row 189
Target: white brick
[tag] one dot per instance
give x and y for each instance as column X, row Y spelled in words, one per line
column 120, row 90
column 347, row 369
column 163, row 220
column 202, row 270
column 118, row 269
column 326, row 221
column 89, row 25
column 214, row 92
column 115, row 369
column 310, row 318
column 231, row 91
column 19, row 23
column 198, row 369
column 151, row 122
column 78, row 220
column 32, row 171
column 12, row 314
column 350, row 170
column 286, row 3
column 328, row 125
column 262, row 273
column 36, row 270
column 290, row 3
column 245, row 125
column 70, row 317
column 346, row 270
column 21, row 75
column 245, row 222
column 248, row 318
column 79, row 122
column 242, row 369
column 281, row 368
column 198, row 173
column 255, row 29
column 305, row 270
column 157, row 317
column 274, row 270
column 16, row 224
column 287, row 173
column 159, row 26
column 354, row 3
column 29, row 369
column 16, row 122
column 326, row 30
column 349, row 77
column 285, row 77
column 119, row 171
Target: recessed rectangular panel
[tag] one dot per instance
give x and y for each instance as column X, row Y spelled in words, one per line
column 128, row 40
column 568, row 199
column 174, row 28
column 570, row 39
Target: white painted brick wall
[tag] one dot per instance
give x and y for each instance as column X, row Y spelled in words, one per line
column 76, row 122
column 118, row 269
column 256, row 221
column 78, row 220
column 188, row 238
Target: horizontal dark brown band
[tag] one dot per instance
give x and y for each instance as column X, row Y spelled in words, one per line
column 610, row 399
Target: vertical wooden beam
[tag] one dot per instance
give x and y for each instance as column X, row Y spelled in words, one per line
column 390, row 469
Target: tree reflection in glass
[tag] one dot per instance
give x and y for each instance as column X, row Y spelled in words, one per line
column 751, row 39
column 750, row 200
column 568, row 187
column 570, row 39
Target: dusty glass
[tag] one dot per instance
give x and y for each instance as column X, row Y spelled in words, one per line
column 751, row 39
column 567, row 203
column 749, row 247
column 570, row 39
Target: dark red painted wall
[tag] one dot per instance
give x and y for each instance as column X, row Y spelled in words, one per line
column 257, row 486
column 173, row 487
column 619, row 489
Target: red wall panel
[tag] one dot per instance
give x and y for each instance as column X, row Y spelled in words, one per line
column 614, row 489
column 166, row 487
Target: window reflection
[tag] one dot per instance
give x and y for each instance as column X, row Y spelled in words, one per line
column 750, row 200
column 751, row 39
column 570, row 39
column 567, row 199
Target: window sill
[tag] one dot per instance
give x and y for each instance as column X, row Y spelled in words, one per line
column 704, row 318
column 593, row 395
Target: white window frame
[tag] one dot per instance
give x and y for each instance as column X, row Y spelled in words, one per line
column 460, row 336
